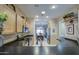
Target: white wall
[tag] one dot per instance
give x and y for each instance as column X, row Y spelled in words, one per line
column 78, row 23
column 74, row 36
column 78, row 28
column 62, row 29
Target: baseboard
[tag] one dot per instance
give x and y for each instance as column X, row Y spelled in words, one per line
column 58, row 39
column 72, row 40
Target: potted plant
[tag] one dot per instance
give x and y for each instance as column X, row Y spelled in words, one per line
column 3, row 18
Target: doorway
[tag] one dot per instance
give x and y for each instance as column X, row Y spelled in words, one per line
column 42, row 27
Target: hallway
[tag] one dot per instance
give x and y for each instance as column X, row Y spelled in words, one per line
column 39, row 29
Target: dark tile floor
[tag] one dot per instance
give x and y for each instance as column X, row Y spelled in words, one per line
column 65, row 47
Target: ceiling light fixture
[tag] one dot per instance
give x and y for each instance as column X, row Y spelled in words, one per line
column 43, row 12
column 53, row 7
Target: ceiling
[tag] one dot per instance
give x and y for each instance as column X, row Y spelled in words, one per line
column 31, row 10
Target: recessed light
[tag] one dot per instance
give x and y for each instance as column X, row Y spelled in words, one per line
column 53, row 7
column 47, row 16
column 43, row 12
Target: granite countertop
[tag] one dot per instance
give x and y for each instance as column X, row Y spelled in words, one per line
column 24, row 34
column 15, row 35
column 6, row 36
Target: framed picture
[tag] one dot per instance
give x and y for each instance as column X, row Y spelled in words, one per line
column 70, row 29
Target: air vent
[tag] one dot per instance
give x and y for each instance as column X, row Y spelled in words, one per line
column 36, row 5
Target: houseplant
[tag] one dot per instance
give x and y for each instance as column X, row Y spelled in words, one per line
column 3, row 18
